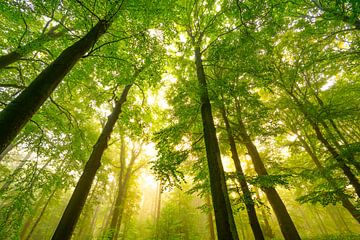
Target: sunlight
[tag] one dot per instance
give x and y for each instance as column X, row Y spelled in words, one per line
column 330, row 82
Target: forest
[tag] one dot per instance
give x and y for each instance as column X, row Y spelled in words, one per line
column 179, row 119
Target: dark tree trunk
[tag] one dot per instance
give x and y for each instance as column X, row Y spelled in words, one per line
column 249, row 202
column 72, row 212
column 225, row 224
column 287, row 226
column 36, row 44
column 84, row 224
column 18, row 112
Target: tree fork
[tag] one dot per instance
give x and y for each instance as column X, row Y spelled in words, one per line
column 249, row 202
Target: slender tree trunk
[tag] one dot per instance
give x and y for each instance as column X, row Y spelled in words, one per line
column 93, row 221
column 119, row 203
column 158, row 211
column 6, row 150
column 18, row 112
column 10, row 178
column 36, row 44
column 267, row 228
column 249, row 202
column 210, row 219
column 40, row 215
column 225, row 224
column 345, row 168
column 287, row 226
column 343, row 198
column 72, row 212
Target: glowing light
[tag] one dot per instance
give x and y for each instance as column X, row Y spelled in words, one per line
column 330, row 82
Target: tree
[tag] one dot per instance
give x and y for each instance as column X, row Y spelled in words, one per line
column 17, row 113
column 76, row 203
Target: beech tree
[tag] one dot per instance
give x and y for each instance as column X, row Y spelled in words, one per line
column 241, row 119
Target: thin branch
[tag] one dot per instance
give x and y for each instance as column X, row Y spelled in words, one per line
column 66, row 112
column 10, row 85
column 87, row 9
column 26, row 30
column 219, row 36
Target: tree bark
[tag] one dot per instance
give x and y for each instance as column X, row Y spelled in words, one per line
column 18, row 112
column 287, row 226
column 72, row 212
column 249, row 202
column 225, row 224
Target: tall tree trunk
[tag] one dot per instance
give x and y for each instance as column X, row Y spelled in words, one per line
column 210, row 219
column 18, row 112
column 6, row 150
column 287, row 226
column 267, row 228
column 249, row 202
column 40, row 215
column 36, row 44
column 158, row 210
column 84, row 224
column 225, row 224
column 72, row 212
column 343, row 198
column 122, row 190
column 346, row 169
column 342, row 163
column 10, row 179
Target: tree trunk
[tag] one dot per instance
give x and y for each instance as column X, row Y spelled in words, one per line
column 225, row 224
column 6, row 150
column 267, row 228
column 122, row 190
column 249, row 202
column 83, row 227
column 72, row 212
column 36, row 44
column 18, row 112
column 343, row 198
column 345, row 168
column 10, row 179
column 40, row 216
column 158, row 210
column 287, row 226
column 210, row 219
